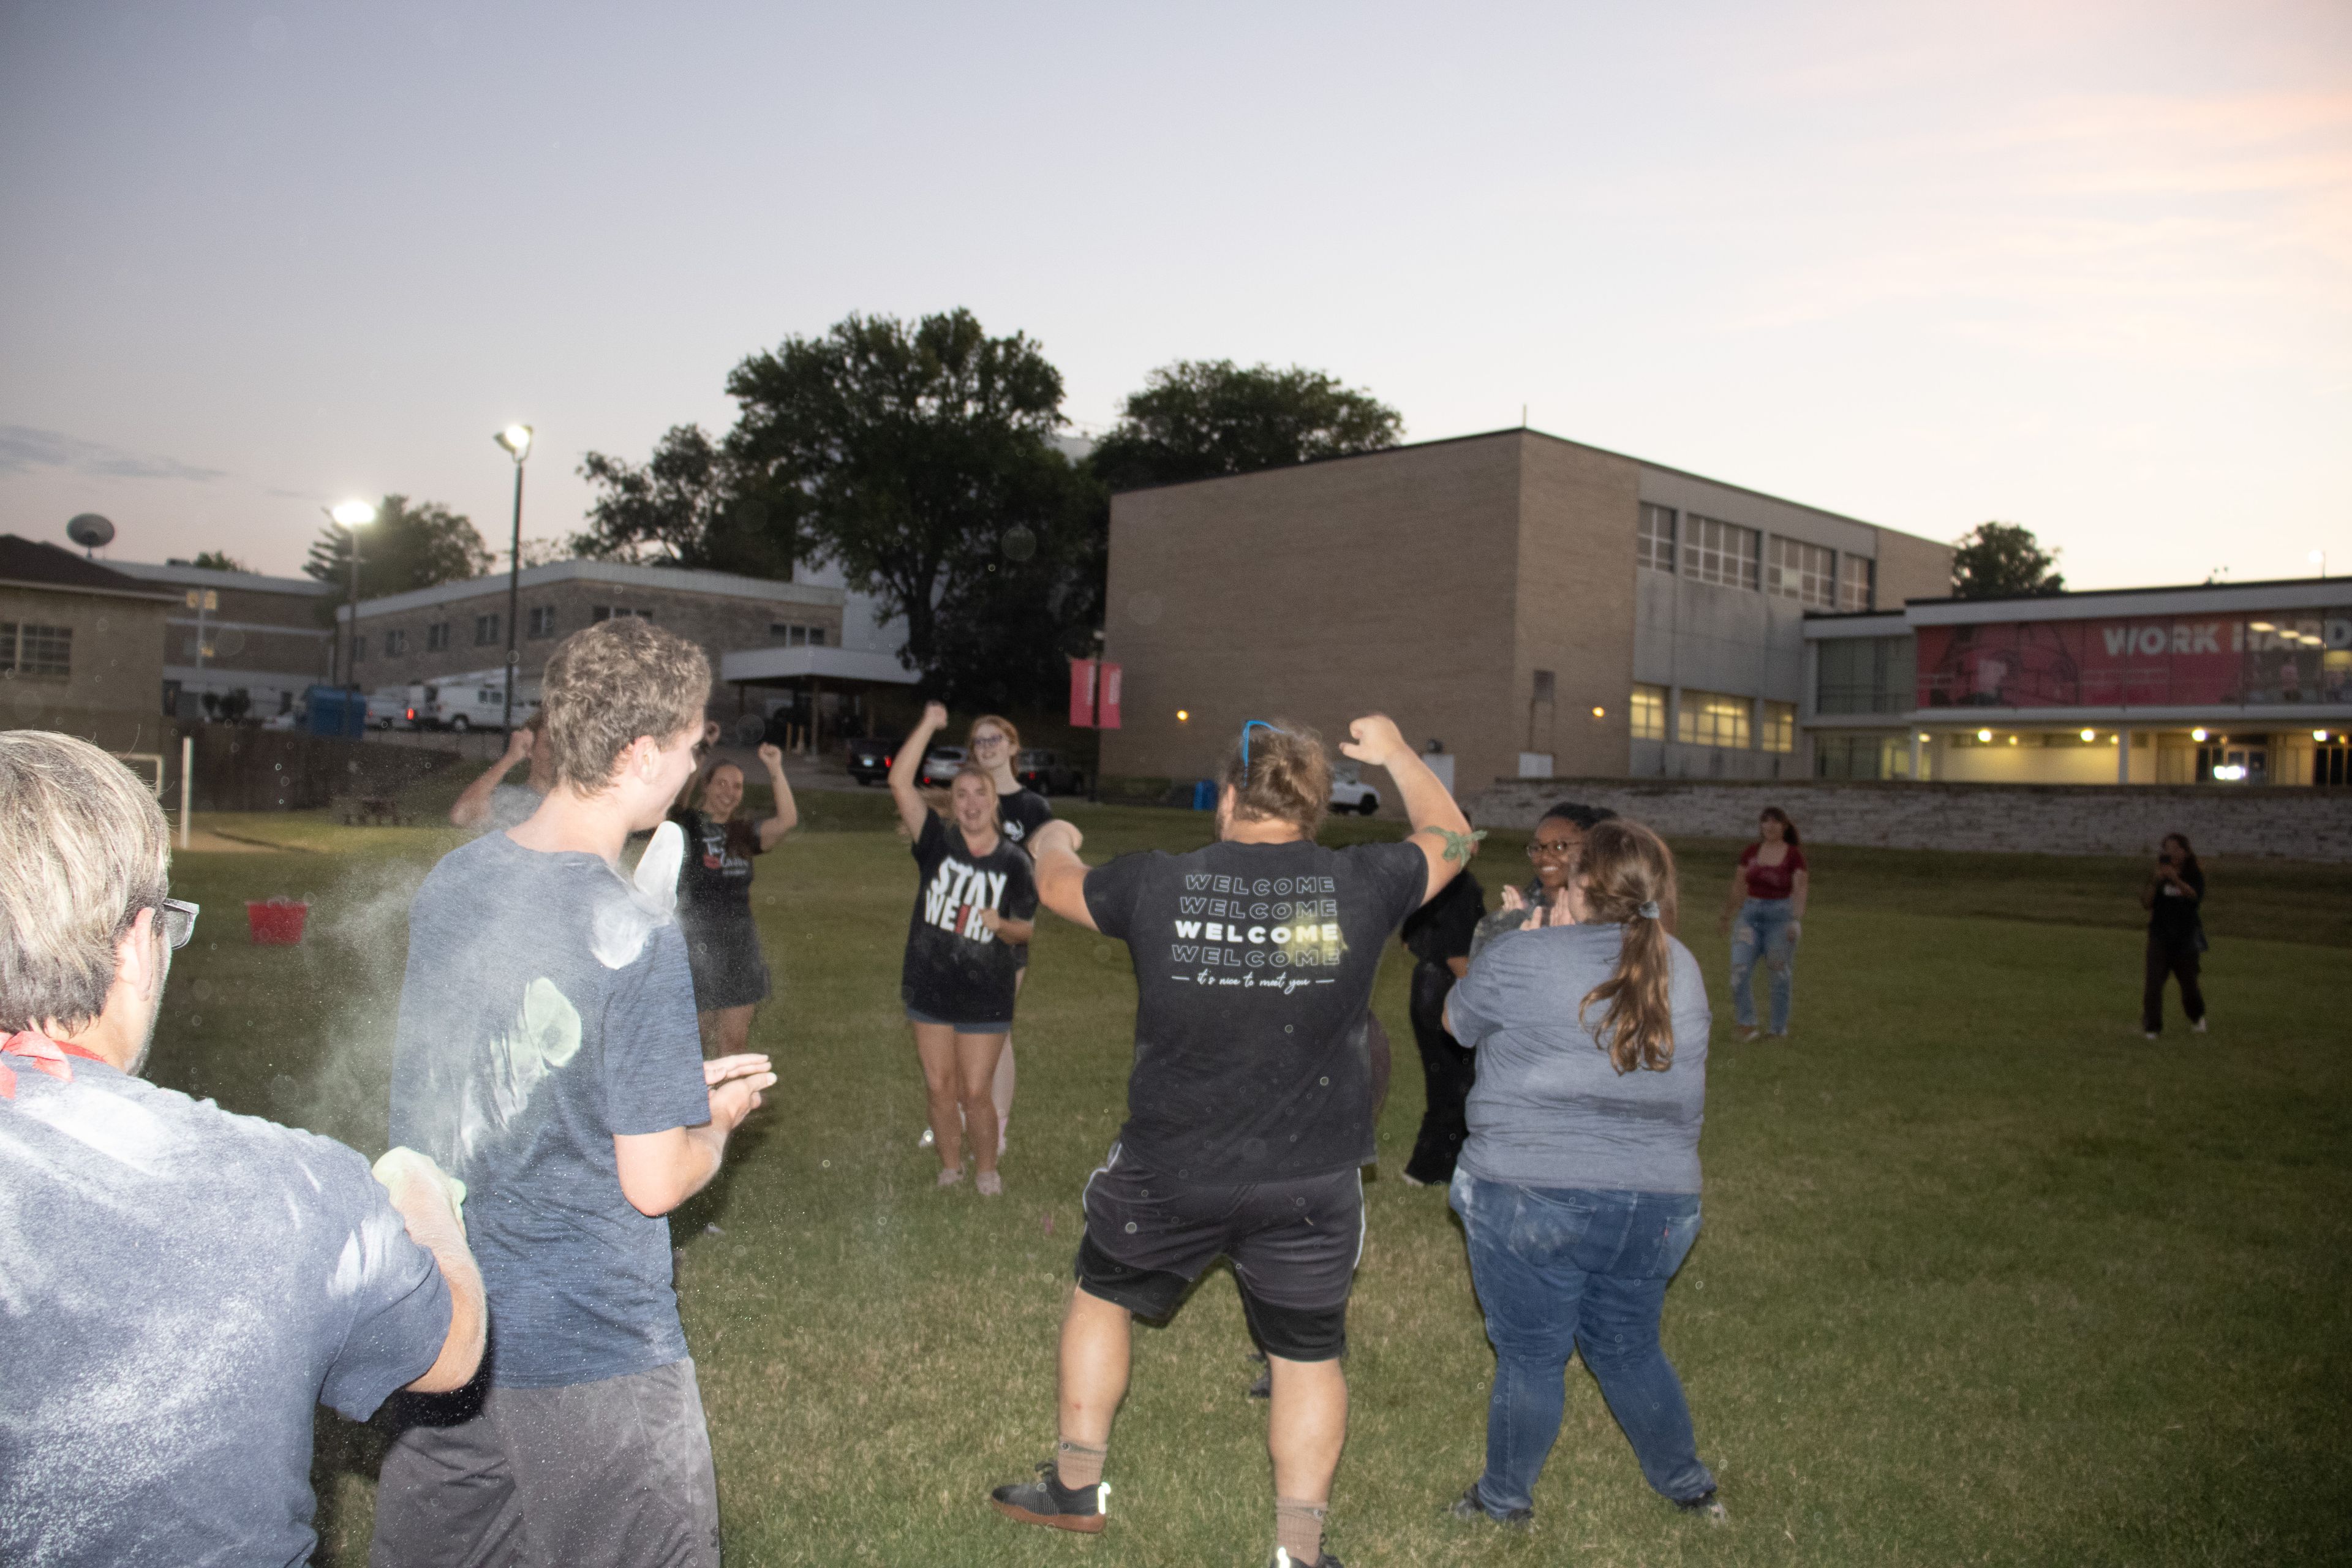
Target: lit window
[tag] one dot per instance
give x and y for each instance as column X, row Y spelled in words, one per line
column 1801, row 571
column 1653, row 546
column 1712, row 718
column 1721, row 552
column 1857, row 583
column 1780, row 726
column 1648, row 710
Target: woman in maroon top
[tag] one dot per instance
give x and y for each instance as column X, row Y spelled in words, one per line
column 1768, row 901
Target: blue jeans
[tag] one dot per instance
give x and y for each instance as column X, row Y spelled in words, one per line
column 1762, row 929
column 1559, row 1270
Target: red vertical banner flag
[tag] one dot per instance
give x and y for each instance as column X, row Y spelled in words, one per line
column 1084, row 712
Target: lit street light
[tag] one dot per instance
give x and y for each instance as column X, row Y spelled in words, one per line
column 352, row 516
column 516, row 439
column 2319, row 559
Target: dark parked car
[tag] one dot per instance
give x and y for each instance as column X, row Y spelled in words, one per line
column 1045, row 772
column 870, row 759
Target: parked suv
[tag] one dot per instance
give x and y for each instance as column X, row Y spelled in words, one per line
column 940, row 765
column 1350, row 793
column 1045, row 772
column 870, row 758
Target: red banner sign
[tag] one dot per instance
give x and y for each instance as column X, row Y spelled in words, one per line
column 2275, row 657
column 1082, row 694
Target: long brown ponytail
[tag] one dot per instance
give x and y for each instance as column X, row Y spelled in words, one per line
column 1627, row 874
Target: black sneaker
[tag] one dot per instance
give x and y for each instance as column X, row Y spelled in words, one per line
column 1470, row 1509
column 1704, row 1506
column 1281, row 1559
column 1048, row 1502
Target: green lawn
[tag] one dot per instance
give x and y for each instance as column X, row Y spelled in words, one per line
column 1986, row 1277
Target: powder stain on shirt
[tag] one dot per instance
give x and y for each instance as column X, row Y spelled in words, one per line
column 545, row 1036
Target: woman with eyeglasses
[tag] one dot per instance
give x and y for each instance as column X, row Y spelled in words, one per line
column 1558, row 836
column 714, row 897
column 993, row 743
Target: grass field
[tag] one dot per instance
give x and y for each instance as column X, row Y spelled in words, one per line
column 1986, row 1277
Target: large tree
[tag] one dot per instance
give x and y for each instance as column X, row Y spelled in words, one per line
column 920, row 456
column 407, row 546
column 691, row 504
column 2003, row 560
column 1198, row 419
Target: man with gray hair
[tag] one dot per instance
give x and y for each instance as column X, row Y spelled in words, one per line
column 180, row 1287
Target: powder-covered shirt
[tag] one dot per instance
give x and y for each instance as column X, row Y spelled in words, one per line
column 714, row 881
column 1253, row 966
column 1549, row 1110
column 1771, row 881
column 180, row 1290
column 955, row 967
column 546, row 1008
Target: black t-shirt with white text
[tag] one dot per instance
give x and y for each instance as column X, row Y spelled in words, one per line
column 714, row 881
column 1253, row 964
column 956, row 969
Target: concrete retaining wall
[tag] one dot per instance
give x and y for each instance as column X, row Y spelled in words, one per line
column 2052, row 819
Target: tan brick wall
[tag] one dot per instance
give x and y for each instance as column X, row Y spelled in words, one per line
column 1317, row 594
column 1911, row 568
column 115, row 692
column 719, row 623
column 2050, row 819
column 1579, row 511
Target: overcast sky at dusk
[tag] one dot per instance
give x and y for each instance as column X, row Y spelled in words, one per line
column 2087, row 267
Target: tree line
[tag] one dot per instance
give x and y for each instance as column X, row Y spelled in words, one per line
column 925, row 459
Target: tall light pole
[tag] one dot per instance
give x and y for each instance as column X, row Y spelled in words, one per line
column 516, row 439
column 352, row 516
column 2319, row 559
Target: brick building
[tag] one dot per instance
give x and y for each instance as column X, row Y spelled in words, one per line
column 81, row 647
column 239, row 631
column 1539, row 606
column 810, row 649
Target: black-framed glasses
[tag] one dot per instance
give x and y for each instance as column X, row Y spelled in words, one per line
column 177, row 918
column 1550, row 850
column 977, row 741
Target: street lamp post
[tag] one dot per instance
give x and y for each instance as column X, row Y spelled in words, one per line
column 352, row 516
column 516, row 439
column 2319, row 559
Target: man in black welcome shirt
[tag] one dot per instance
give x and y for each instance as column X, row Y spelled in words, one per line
column 1250, row 1104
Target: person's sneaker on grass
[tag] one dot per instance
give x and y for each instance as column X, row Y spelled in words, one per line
column 1471, row 1509
column 2197, row 1027
column 1048, row 1502
column 1705, row 1505
column 989, row 1185
column 1281, row 1559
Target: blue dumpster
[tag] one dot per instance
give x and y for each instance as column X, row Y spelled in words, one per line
column 1204, row 794
column 333, row 710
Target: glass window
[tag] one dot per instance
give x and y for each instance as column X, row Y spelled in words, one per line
column 1857, row 583
column 816, row 636
column 485, row 630
column 1805, row 572
column 1653, row 546
column 1649, row 711
column 394, row 644
column 1780, row 726
column 1721, row 552
column 1865, row 675
column 542, row 621
column 437, row 636
column 1862, row 756
column 600, row 612
column 1712, row 718
column 44, row 650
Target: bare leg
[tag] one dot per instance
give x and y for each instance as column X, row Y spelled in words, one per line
column 1001, row 1091
column 1306, row 1429
column 935, row 1045
column 976, row 1058
column 725, row 1031
column 1094, row 1360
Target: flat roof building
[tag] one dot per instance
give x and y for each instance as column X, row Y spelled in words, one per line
column 81, row 647
column 239, row 631
column 1537, row 606
column 2233, row 683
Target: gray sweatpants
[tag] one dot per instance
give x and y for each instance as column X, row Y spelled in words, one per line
column 616, row 1472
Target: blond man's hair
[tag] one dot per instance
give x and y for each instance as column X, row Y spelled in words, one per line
column 83, row 849
column 612, row 683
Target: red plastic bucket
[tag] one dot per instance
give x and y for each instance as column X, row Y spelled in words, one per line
column 278, row 923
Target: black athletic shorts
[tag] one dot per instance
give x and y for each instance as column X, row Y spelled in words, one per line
column 1293, row 1246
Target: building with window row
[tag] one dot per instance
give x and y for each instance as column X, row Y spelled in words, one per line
column 1536, row 606
column 252, row 641
column 2231, row 683
column 81, row 647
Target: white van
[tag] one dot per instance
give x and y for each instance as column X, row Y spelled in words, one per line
column 475, row 701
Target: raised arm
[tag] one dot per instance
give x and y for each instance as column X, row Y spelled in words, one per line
column 473, row 805
column 1061, row 876
column 909, row 767
column 788, row 811
column 1438, row 825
